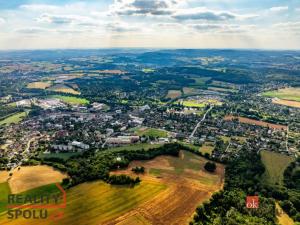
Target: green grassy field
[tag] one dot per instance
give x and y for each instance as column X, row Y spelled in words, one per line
column 292, row 94
column 4, row 192
column 275, row 164
column 96, row 202
column 71, row 100
column 152, row 132
column 193, row 104
column 16, row 118
column 207, row 147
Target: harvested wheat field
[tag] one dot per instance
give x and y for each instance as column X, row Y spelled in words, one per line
column 256, row 122
column 30, row 177
column 188, row 186
column 286, row 102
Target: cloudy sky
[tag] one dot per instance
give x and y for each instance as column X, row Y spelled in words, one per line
column 39, row 24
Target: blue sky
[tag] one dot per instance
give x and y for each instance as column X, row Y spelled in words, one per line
column 39, row 24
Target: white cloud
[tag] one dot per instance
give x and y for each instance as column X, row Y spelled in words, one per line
column 39, row 7
column 279, row 9
column 2, row 21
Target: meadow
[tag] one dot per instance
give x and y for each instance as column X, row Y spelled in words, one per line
column 173, row 94
column 292, row 94
column 15, row 118
column 275, row 164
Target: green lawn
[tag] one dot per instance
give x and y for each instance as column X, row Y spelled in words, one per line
column 207, row 147
column 275, row 165
column 4, row 192
column 152, row 132
column 72, row 100
column 16, row 118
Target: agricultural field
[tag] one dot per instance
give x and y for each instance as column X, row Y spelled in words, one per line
column 4, row 192
column 283, row 218
column 39, row 85
column 200, row 81
column 71, row 100
column 170, row 197
column 15, row 118
column 275, row 164
column 63, row 89
column 292, row 94
column 188, row 185
column 207, row 147
column 256, row 122
column 286, row 102
column 151, row 132
column 173, row 94
column 148, row 70
column 221, row 89
column 31, row 177
column 98, row 201
column 190, row 91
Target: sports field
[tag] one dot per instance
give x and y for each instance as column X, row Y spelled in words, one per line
column 151, row 132
column 275, row 164
column 71, row 100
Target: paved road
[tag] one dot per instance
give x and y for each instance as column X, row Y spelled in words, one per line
column 198, row 124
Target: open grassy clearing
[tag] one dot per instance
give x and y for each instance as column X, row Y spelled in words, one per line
column 31, row 177
column 15, row 118
column 96, row 202
column 193, row 104
column 173, row 94
column 151, row 132
column 39, row 85
column 292, row 94
column 275, row 165
column 256, row 122
column 207, row 147
column 71, row 100
column 148, row 70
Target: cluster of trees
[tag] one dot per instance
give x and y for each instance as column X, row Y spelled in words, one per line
column 228, row 207
column 210, row 167
column 123, row 180
column 139, row 169
column 92, row 166
column 292, row 175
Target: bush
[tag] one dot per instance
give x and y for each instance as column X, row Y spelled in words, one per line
column 210, row 167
